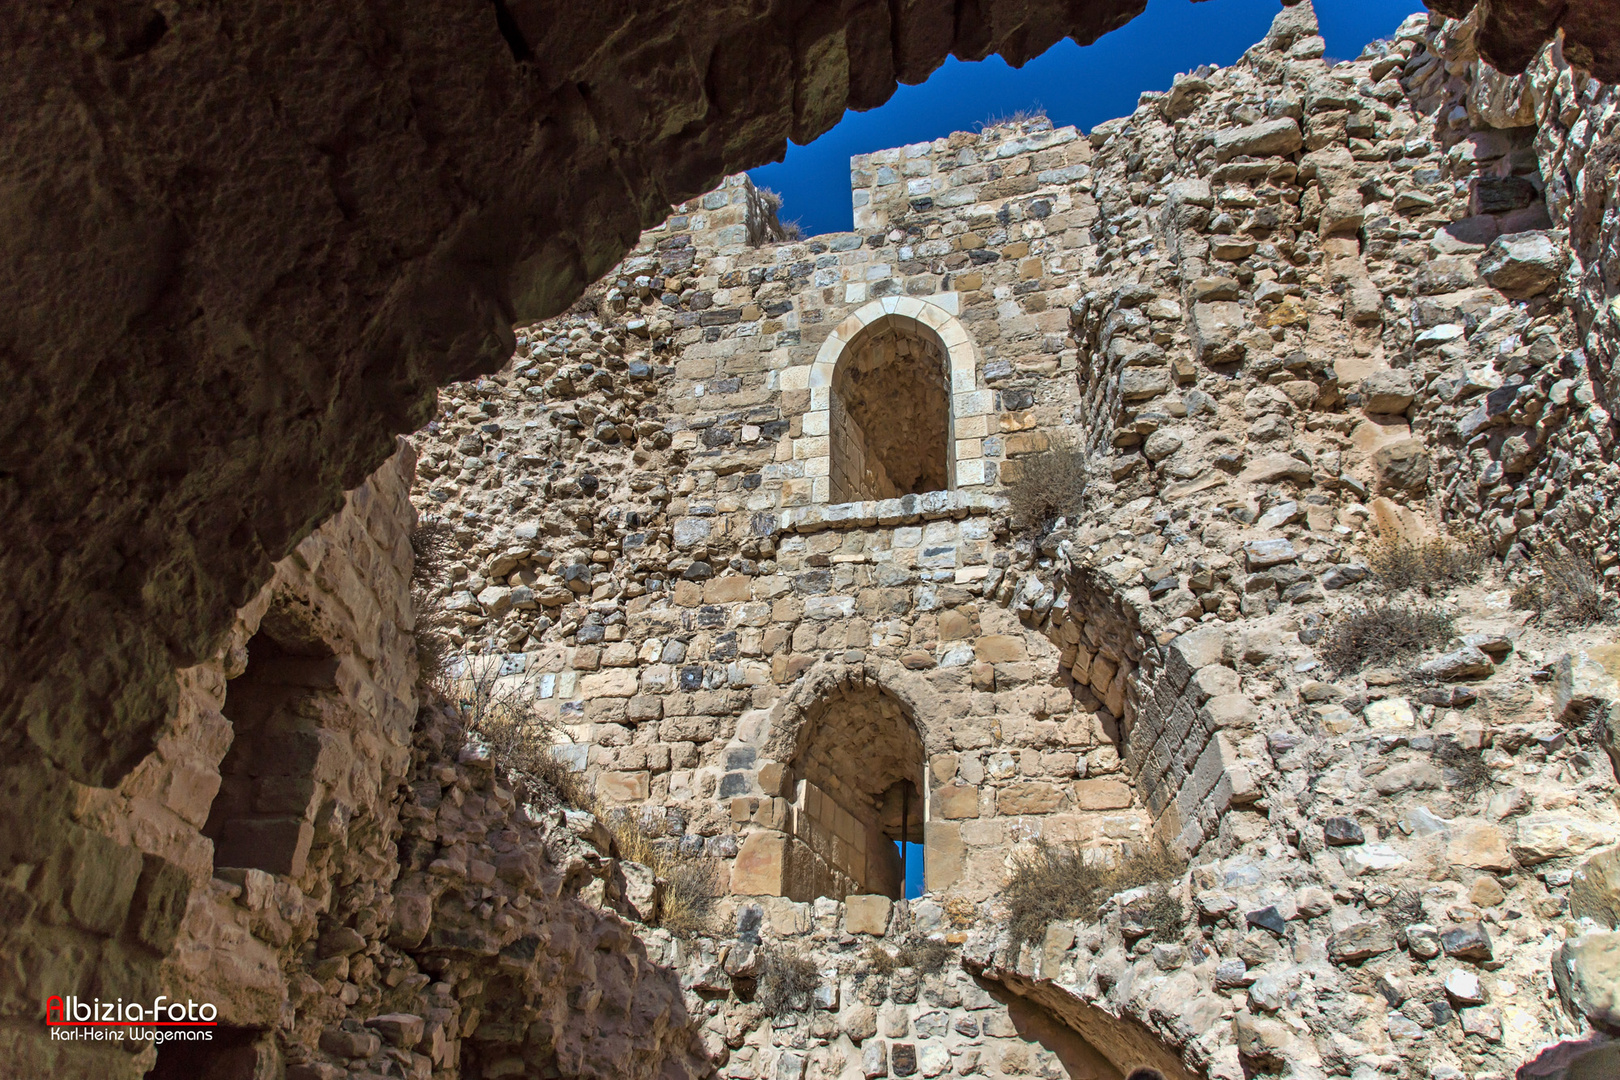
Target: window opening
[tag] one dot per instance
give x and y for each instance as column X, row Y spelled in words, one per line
column 889, row 414
column 858, row 805
column 271, row 781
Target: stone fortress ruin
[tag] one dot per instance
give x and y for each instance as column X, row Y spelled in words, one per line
column 1021, row 520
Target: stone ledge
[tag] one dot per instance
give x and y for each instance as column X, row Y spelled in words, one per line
column 907, row 510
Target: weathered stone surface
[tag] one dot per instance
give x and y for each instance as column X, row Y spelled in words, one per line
column 1279, row 136
column 867, row 914
column 340, row 285
column 1360, row 941
column 1586, row 971
column 1524, row 264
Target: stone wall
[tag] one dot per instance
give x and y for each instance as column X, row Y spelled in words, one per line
column 1285, row 310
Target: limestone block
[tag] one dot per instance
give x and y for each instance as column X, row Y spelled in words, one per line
column 612, row 683
column 760, row 866
column 1194, row 650
column 1525, row 264
column 1101, row 795
column 1543, row 837
column 956, row 801
column 1479, row 846
column 1389, row 714
column 1271, row 138
column 1586, row 972
column 1215, row 330
column 1273, row 468
column 867, row 914
column 1595, row 891
column 1585, row 683
column 1028, row 797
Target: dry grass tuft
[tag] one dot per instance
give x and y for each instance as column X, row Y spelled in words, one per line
column 1433, row 566
column 926, row 956
column 691, row 883
column 1052, row 882
column 434, row 548
column 1567, row 591
column 1383, row 633
column 787, row 981
column 691, row 887
column 1050, row 485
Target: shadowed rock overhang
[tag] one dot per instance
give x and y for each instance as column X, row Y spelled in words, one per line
column 242, row 247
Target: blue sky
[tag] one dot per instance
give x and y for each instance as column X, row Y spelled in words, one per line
column 1074, row 86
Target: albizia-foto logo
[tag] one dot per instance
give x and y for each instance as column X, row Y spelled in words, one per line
column 162, row 1020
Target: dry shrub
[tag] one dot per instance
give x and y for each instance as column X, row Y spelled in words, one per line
column 500, row 715
column 1435, row 565
column 434, row 548
column 927, row 956
column 787, row 981
column 1053, row 882
column 1050, row 485
column 691, row 882
column 1568, row 591
column 691, row 887
column 922, row 954
column 1465, row 770
column 1382, row 633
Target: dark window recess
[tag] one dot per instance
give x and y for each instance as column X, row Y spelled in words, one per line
column 281, row 751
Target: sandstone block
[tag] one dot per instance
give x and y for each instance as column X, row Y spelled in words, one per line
column 1267, row 139
column 867, row 914
column 1028, row 797
column 1000, row 649
column 1479, row 846
column 1101, row 795
column 760, row 866
column 957, row 800
column 623, row 787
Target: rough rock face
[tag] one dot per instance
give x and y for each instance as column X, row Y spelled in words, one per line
column 294, row 225
column 343, row 876
column 1282, row 308
column 278, row 231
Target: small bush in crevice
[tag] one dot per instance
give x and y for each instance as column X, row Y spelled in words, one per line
column 691, row 887
column 1052, row 882
column 1443, row 562
column 1567, row 591
column 1382, row 633
column 691, row 882
column 502, row 716
column 926, row 956
column 1049, row 485
column 787, row 981
column 1464, row 770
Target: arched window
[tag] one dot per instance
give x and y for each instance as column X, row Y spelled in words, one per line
column 857, row 797
column 889, row 416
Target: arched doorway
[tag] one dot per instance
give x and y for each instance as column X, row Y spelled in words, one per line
column 889, row 413
column 858, row 803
